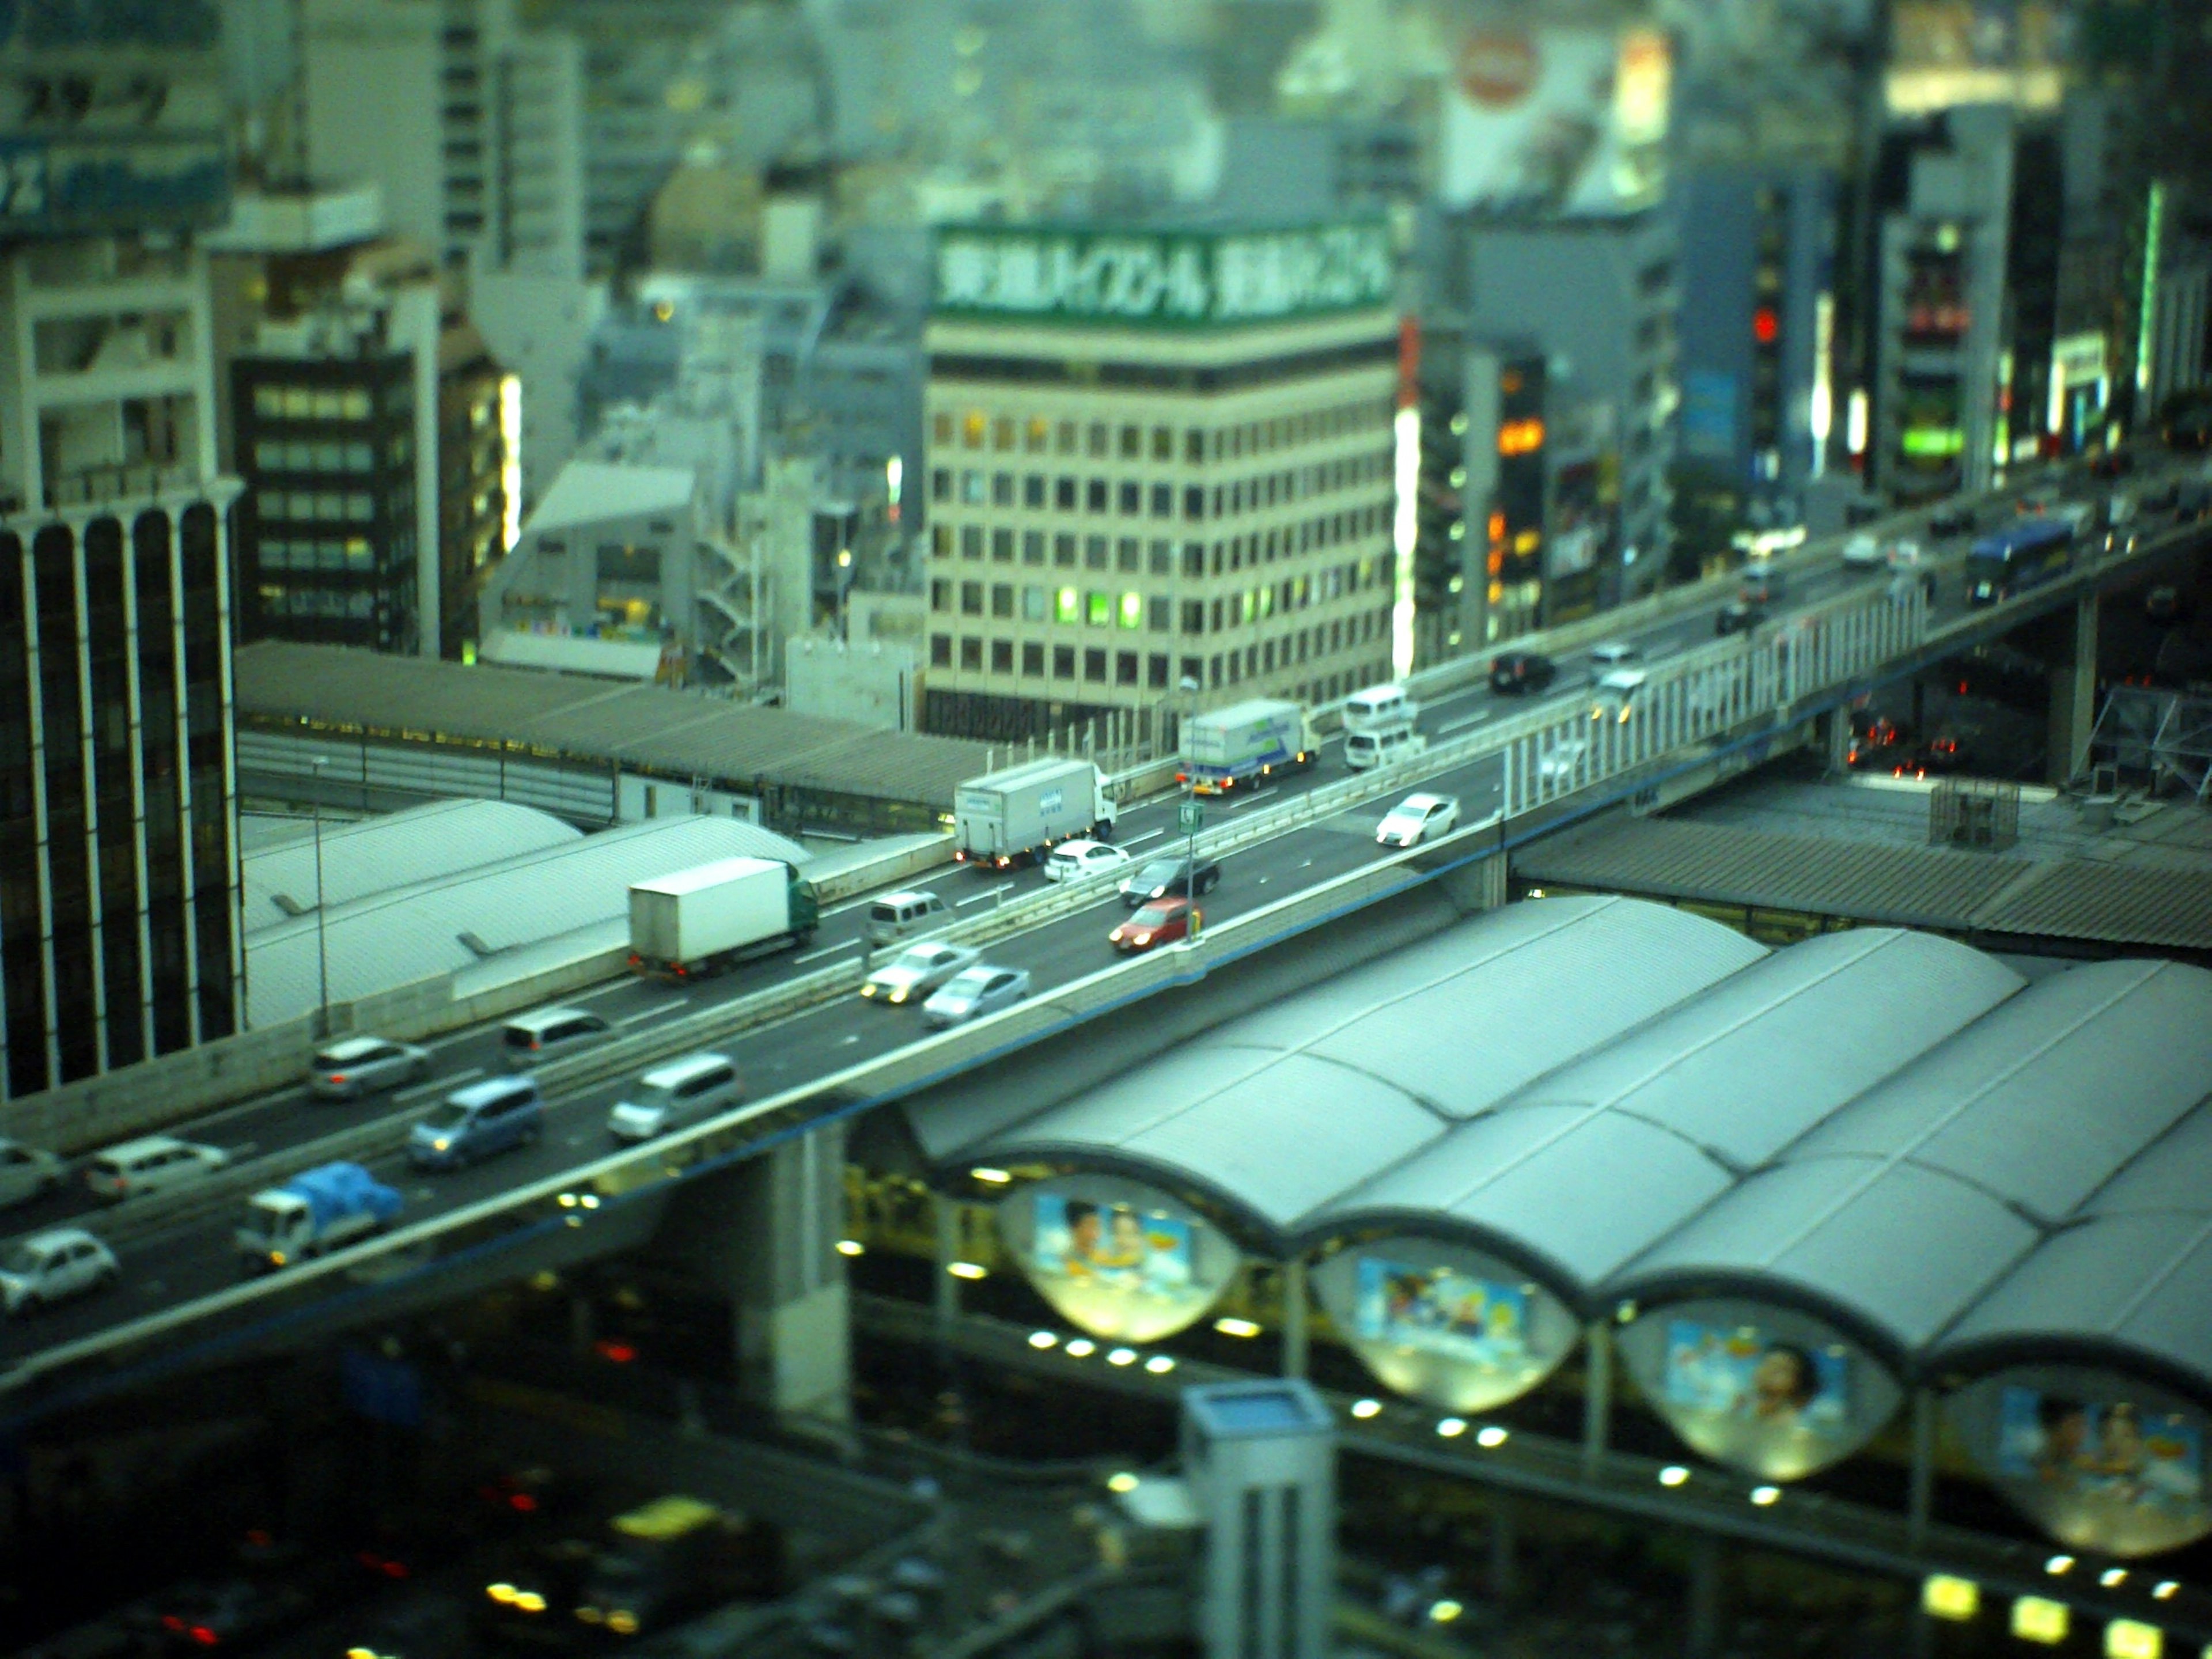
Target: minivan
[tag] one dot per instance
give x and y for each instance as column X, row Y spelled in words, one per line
column 150, row 1164
column 477, row 1121
column 1377, row 707
column 897, row 917
column 1613, row 653
column 682, row 1092
column 1363, row 749
column 529, row 1040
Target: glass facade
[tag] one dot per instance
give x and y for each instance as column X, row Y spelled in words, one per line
column 119, row 893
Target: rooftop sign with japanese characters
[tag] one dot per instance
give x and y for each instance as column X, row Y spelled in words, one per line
column 1163, row 279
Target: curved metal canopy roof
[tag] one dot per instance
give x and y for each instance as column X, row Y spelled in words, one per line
column 1280, row 1111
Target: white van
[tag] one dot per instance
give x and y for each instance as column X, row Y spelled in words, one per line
column 1364, row 749
column 897, row 917
column 150, row 1164
column 1616, row 693
column 671, row 1097
column 1613, row 653
column 1377, row 707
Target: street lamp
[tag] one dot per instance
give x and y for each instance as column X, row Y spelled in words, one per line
column 322, row 943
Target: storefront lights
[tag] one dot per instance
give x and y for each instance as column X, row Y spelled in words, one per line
column 2038, row 1619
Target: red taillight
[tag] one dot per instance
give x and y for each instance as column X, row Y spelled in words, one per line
column 523, row 1504
column 621, row 1352
column 1183, row 777
column 533, row 1045
column 678, row 969
column 204, row 1636
column 338, row 1077
column 637, row 961
column 170, row 1621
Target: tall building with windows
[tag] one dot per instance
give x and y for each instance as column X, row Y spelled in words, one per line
column 118, row 858
column 1161, row 471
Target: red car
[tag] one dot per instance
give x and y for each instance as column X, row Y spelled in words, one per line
column 1162, row 921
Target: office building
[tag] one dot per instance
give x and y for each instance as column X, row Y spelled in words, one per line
column 1157, row 460
column 374, row 433
column 118, row 858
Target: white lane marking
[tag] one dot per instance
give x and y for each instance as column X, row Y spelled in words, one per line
column 438, row 1082
column 1251, row 799
column 1133, row 841
column 987, row 893
column 1476, row 718
column 661, row 1012
column 827, row 951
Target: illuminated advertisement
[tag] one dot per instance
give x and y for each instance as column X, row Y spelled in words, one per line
column 1770, row 1391
column 1451, row 1326
column 1944, row 53
column 1558, row 121
column 2100, row 1461
column 1115, row 1257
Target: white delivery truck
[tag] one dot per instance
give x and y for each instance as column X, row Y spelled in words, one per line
column 698, row 921
column 1236, row 746
column 315, row 1211
column 1018, row 814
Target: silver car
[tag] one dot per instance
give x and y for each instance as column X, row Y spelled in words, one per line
column 25, row 1173
column 53, row 1266
column 917, row 971
column 974, row 992
column 363, row 1065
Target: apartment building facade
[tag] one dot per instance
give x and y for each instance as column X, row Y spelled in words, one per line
column 1160, row 470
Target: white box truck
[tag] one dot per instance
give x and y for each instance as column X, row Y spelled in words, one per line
column 1237, row 746
column 698, row 921
column 1018, row 814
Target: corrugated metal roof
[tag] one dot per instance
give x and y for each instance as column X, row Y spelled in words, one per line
column 409, row 933
column 1900, row 1211
column 1702, row 1093
column 397, row 849
column 1938, row 887
column 677, row 732
column 1282, row 1110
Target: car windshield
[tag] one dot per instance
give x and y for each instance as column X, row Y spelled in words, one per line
column 1155, row 916
column 970, row 983
column 329, row 1060
column 924, row 955
column 520, row 1037
column 447, row 1116
column 20, row 1260
column 1159, row 873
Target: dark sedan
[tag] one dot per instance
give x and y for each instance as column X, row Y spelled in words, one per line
column 1739, row 617
column 1518, row 671
column 1168, row 876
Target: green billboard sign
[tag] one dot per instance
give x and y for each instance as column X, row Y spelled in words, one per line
column 1157, row 279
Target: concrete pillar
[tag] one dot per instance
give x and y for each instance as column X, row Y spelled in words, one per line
column 1921, row 1502
column 768, row 1229
column 1295, row 1310
column 2073, row 694
column 947, row 1213
column 1597, row 1395
column 1839, row 740
column 1705, row 1619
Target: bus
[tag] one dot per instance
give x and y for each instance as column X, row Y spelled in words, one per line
column 2022, row 555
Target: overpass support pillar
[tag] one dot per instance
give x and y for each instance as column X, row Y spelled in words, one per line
column 1597, row 1395
column 1921, row 1501
column 1478, row 887
column 1839, row 721
column 2073, row 694
column 767, row 1230
column 1294, row 1316
column 1704, row 1621
column 1504, row 1579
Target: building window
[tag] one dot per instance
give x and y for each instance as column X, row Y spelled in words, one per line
column 1033, row 547
column 1067, row 607
column 1002, row 599
column 971, row 429
column 940, row 595
column 1094, row 665
column 1132, row 498
column 1039, row 430
column 1156, row 672
column 1033, row 491
column 1194, row 616
column 1193, row 559
column 1063, row 494
column 940, row 428
column 1128, row 554
column 1002, row 656
column 1002, row 489
column 1094, row 495
column 971, row 599
column 1002, row 433
column 1063, row 550
column 1098, row 609
column 1163, row 500
column 940, row 651
column 940, row 540
column 1064, row 444
column 1036, row 604
column 1160, row 558
column 1094, row 553
column 1125, row 668
column 637, row 567
column 1163, row 443
column 1063, row 662
column 1002, row 546
column 1193, row 670
column 1033, row 660
column 971, row 655
column 1131, row 611
column 971, row 541
column 1194, row 503
column 1160, row 611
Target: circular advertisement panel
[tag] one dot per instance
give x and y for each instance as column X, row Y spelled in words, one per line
column 1117, row 1258
column 1768, row 1390
column 1497, row 68
column 1453, row 1326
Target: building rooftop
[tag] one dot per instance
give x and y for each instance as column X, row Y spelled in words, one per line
column 674, row 733
column 586, row 492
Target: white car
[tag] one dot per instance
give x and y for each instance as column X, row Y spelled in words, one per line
column 25, row 1173
column 1416, row 818
column 53, row 1266
column 360, row 1066
column 1071, row 861
column 151, row 1164
column 975, row 991
column 1559, row 763
column 919, row 969
column 1862, row 549
column 1904, row 554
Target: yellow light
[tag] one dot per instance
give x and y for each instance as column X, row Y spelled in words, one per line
column 1122, row 1357
column 1042, row 1340
column 1159, row 1364
column 2059, row 1565
column 275, row 1258
column 1082, row 1348
column 966, row 1270
column 1232, row 1326
column 1452, row 1427
column 990, row 1178
column 622, row 1622
column 1673, row 1475
column 2113, row 1578
column 1945, row 1595
column 2035, row 1618
column 1363, row 1409
column 1764, row 1496
column 2166, row 1590
column 567, row 1200
column 529, row 1601
column 2131, row 1638
column 1444, row 1611
column 899, row 995
column 1123, row 1481
column 591, row 1615
column 590, row 1201
column 500, row 1593
column 1491, row 1437
column 851, row 1247
column 440, row 1146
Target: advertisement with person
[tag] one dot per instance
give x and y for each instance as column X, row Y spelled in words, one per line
column 1745, row 1376
column 2113, row 1451
column 1111, row 1245
column 1441, row 1311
